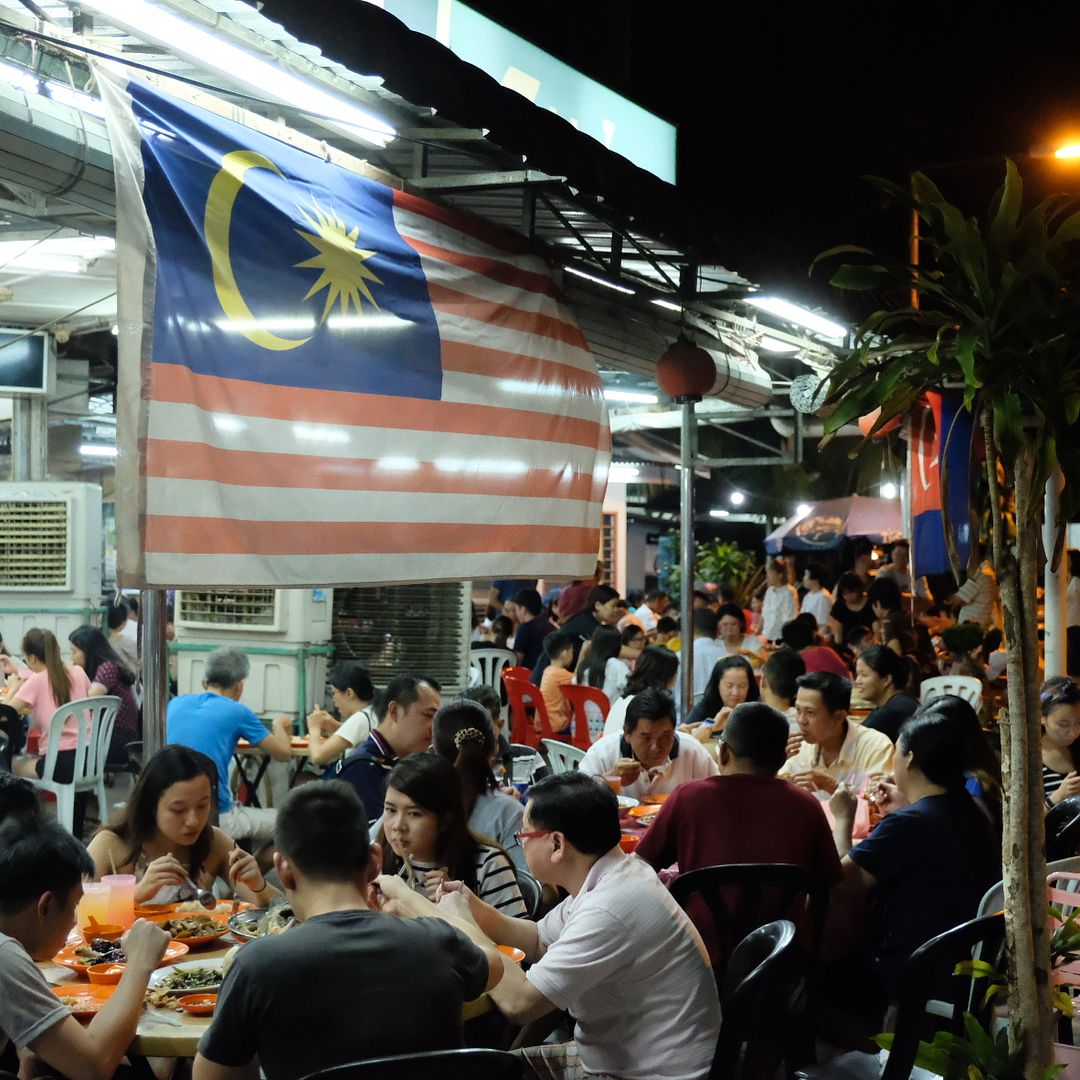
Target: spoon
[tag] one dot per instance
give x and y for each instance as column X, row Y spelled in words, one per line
column 203, row 896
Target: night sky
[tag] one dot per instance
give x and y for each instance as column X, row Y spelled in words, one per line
column 783, row 107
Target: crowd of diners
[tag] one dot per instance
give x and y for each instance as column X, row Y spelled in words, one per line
column 407, row 855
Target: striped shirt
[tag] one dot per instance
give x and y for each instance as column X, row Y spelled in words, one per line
column 496, row 881
column 1051, row 782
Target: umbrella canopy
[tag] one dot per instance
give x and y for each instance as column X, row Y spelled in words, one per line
column 831, row 522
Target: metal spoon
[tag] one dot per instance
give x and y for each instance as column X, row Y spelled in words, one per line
column 203, row 896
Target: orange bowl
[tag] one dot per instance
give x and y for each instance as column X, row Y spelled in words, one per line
column 105, row 974
column 104, row 930
column 198, row 1004
column 655, row 800
column 629, row 841
column 644, row 811
column 517, row 955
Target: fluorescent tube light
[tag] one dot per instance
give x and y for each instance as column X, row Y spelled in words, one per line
column 785, row 309
column 599, row 280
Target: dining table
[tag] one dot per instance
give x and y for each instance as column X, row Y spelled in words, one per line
column 246, row 753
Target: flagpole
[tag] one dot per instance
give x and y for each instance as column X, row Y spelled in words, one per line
column 155, row 670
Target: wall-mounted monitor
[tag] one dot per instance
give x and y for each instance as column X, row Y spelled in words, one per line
column 25, row 363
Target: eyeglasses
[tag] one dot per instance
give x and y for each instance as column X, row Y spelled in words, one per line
column 531, row 834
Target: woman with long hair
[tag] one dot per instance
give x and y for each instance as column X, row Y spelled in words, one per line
column 656, row 669
column 601, row 667
column 1059, row 699
column 353, row 694
column 108, row 674
column 731, row 683
column 881, row 678
column 463, row 733
column 40, row 691
column 851, row 607
column 426, row 840
column 163, row 835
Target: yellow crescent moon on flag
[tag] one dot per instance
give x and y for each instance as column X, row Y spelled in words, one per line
column 224, row 189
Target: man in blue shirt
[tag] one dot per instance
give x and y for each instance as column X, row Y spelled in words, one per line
column 213, row 722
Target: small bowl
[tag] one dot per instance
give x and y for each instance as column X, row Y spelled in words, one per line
column 629, row 841
column 105, row 931
column 105, row 974
column 198, row 1004
column 513, row 953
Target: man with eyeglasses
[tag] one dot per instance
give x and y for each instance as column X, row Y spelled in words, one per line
column 618, row 953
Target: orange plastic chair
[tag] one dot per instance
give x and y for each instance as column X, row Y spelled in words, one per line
column 516, row 673
column 523, row 695
column 577, row 696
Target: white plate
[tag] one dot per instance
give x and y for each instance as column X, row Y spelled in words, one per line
column 187, row 965
column 625, row 802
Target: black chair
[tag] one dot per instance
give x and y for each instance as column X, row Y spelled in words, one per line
column 930, row 999
column 760, row 994
column 1063, row 829
column 532, row 893
column 443, row 1064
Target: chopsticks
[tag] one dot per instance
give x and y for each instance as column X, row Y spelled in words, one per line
column 409, row 868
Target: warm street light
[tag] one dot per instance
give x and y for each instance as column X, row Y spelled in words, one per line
column 1071, row 150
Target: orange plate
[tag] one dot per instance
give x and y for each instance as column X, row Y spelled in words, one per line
column 146, row 910
column 643, row 811
column 297, row 742
column 84, row 1000
column 67, row 957
column 224, row 907
column 655, row 800
column 219, row 917
column 198, row 1004
column 517, row 955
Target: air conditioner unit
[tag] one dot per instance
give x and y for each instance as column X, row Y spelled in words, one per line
column 50, row 558
column 399, row 629
column 283, row 632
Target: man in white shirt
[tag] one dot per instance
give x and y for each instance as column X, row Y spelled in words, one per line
column 706, row 649
column 618, row 953
column 649, row 756
column 900, row 571
column 817, row 599
column 829, row 747
column 979, row 599
column 656, row 603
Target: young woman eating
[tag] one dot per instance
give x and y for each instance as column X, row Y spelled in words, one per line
column 426, row 839
column 353, row 694
column 1060, row 702
column 851, row 607
column 731, row 683
column 49, row 685
column 463, row 733
column 108, row 674
column 164, row 835
column 881, row 678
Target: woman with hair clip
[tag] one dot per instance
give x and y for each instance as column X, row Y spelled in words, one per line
column 656, row 669
column 926, row 865
column 426, row 840
column 463, row 733
column 108, row 674
column 1059, row 699
column 353, row 694
column 47, row 686
column 163, row 835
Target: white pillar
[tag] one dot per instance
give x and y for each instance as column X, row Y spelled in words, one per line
column 30, row 438
column 1056, row 585
column 155, row 669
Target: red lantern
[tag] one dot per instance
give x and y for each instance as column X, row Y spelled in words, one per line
column 686, row 372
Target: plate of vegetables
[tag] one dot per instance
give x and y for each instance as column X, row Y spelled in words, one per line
column 190, row 977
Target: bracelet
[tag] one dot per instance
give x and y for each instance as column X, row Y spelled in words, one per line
column 260, row 891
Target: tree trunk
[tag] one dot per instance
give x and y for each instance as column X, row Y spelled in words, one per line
column 1023, row 849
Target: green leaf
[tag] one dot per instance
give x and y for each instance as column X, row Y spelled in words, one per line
column 855, row 278
column 1005, row 209
column 977, row 969
column 1072, row 408
column 1008, row 424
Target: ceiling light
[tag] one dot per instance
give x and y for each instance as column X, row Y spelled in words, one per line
column 97, row 450
column 631, row 397
column 775, row 345
column 719, row 513
column 19, row 76
column 785, row 309
column 667, row 305
column 63, row 255
column 266, row 77
column 889, row 490
column 599, row 280
column 803, row 509
column 66, row 95
column 737, row 498
column 620, row 473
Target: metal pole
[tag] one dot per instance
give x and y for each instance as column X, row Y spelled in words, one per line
column 1056, row 585
column 688, row 447
column 155, row 669
column 29, row 439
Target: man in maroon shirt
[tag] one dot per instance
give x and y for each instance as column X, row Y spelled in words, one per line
column 744, row 815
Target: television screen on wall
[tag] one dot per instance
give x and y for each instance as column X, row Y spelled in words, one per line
column 24, row 362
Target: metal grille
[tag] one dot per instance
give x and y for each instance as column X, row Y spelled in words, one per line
column 227, row 607
column 34, row 544
column 397, row 629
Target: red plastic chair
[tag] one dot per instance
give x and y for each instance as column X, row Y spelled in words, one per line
column 516, row 673
column 577, row 696
column 523, row 696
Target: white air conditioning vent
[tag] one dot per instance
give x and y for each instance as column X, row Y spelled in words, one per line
column 232, row 609
column 406, row 629
column 34, row 544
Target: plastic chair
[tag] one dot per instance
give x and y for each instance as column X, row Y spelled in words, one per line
column 920, row 984
column 532, row 892
column 527, row 764
column 576, row 697
column 475, row 1064
column 97, row 717
column 965, row 686
column 1063, row 829
column 760, row 993
column 488, row 664
column 522, row 673
column 563, row 756
column 524, row 695
column 994, row 898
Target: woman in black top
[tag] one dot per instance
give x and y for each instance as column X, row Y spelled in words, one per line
column 881, row 677
column 852, row 608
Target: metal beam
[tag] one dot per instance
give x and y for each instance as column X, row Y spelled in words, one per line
column 730, row 462
column 436, row 135
column 481, row 180
column 779, row 451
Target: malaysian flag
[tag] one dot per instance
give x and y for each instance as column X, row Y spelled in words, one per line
column 324, row 380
